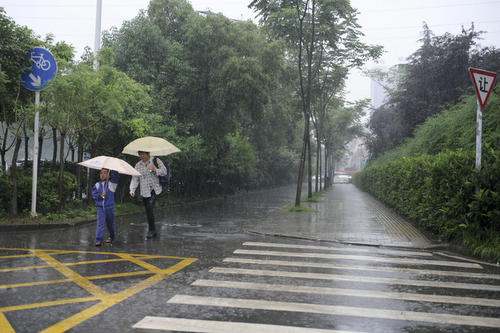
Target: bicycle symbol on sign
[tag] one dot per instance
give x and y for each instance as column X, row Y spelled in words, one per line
column 40, row 62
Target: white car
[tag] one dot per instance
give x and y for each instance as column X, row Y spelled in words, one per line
column 342, row 179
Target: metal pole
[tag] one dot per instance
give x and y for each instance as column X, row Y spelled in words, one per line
column 97, row 40
column 479, row 134
column 35, row 155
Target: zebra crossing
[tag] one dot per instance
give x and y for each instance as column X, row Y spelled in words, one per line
column 299, row 288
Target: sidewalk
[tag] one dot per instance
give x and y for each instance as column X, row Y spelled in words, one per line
column 344, row 214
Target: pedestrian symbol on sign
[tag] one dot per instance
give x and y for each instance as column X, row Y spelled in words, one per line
column 483, row 84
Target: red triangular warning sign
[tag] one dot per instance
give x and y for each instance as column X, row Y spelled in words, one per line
column 484, row 82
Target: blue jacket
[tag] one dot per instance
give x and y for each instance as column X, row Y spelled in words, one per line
column 108, row 188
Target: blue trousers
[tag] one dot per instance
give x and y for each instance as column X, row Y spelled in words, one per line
column 105, row 217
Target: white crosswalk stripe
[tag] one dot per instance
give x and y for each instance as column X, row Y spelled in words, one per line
column 212, row 326
column 338, row 248
column 354, row 278
column 438, row 318
column 362, row 268
column 347, row 292
column 407, row 261
column 279, row 290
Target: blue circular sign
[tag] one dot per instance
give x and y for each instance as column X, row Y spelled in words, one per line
column 43, row 69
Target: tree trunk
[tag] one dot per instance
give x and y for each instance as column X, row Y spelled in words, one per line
column 79, row 170
column 26, row 147
column 310, row 55
column 40, row 149
column 327, row 165
column 300, row 178
column 54, row 146
column 318, row 161
column 4, row 149
column 309, row 165
column 61, row 171
column 13, row 178
column 332, row 169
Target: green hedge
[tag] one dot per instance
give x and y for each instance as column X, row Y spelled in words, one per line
column 48, row 200
column 439, row 193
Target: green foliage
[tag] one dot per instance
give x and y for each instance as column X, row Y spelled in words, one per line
column 47, row 190
column 299, row 209
column 221, row 91
column 439, row 192
column 434, row 77
column 454, row 128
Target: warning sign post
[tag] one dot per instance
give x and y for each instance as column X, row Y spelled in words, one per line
column 484, row 82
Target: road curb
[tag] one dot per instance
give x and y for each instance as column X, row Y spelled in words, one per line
column 41, row 226
column 428, row 248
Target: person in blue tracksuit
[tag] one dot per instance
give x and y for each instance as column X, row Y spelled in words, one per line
column 103, row 194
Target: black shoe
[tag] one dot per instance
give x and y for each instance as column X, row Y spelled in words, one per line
column 151, row 234
column 109, row 240
column 98, row 244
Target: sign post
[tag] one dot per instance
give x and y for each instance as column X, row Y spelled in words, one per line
column 484, row 82
column 43, row 69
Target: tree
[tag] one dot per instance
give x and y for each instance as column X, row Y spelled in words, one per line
column 320, row 33
column 434, row 76
column 14, row 100
column 217, row 84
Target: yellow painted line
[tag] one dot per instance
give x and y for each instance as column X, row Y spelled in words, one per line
column 17, row 256
column 5, row 326
column 93, row 277
column 138, row 262
column 89, row 262
column 113, row 253
column 22, row 268
column 115, row 275
column 31, row 284
column 48, row 304
column 70, row 274
column 111, row 300
column 139, row 255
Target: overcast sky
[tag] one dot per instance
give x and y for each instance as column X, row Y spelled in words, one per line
column 396, row 25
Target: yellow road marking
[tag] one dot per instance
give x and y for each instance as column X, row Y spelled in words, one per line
column 89, row 262
column 48, row 304
column 70, row 274
column 93, row 277
column 31, row 284
column 17, row 256
column 5, row 326
column 108, row 302
column 110, row 276
column 138, row 262
column 23, row 268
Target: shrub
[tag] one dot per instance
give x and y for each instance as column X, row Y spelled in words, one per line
column 48, row 200
column 439, row 192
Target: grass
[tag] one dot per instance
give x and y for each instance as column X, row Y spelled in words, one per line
column 315, row 197
column 299, row 209
column 71, row 214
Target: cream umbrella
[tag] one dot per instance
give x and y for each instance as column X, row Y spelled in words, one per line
column 153, row 145
column 111, row 163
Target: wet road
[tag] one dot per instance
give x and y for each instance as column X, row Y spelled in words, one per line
column 210, row 272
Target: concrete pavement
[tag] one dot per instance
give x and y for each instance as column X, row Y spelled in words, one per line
column 209, row 271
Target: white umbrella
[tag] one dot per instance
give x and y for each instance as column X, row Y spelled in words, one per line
column 153, row 145
column 111, row 163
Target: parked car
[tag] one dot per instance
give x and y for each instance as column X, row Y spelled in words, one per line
column 342, row 179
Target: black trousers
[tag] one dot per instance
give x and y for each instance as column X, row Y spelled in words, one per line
column 149, row 204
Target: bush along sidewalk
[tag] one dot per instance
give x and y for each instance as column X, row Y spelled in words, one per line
column 444, row 194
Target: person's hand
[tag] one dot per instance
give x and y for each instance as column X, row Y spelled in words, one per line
column 151, row 167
